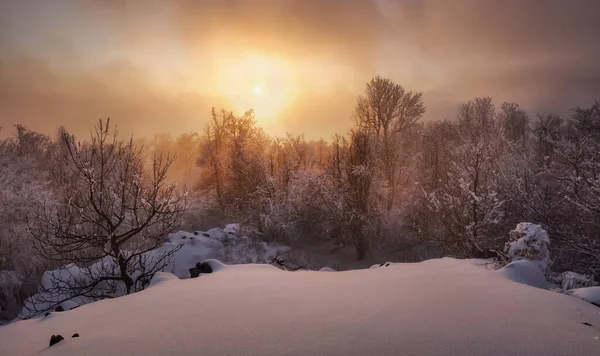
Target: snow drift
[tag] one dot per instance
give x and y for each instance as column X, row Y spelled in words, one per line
column 437, row 307
column 590, row 294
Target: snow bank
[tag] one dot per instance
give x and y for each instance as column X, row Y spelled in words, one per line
column 161, row 277
column 524, row 272
column 591, row 294
column 439, row 307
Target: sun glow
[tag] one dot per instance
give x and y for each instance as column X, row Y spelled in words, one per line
column 266, row 84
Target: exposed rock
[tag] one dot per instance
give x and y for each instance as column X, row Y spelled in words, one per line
column 75, row 335
column 201, row 267
column 194, row 272
column 55, row 339
column 59, row 308
column 204, row 267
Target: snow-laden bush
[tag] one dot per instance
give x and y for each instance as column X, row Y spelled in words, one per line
column 571, row 280
column 529, row 241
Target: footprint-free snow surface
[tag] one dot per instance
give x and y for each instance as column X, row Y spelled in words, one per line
column 437, row 307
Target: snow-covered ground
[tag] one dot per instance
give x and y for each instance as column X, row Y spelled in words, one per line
column 230, row 245
column 436, row 307
column 590, row 294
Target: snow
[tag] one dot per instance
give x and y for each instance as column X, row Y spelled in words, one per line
column 437, row 307
column 590, row 294
column 525, row 272
column 571, row 280
column 162, row 277
column 230, row 245
column 530, row 242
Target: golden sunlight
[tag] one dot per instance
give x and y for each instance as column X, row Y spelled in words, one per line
column 264, row 83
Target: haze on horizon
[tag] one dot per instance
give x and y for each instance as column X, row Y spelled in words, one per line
column 156, row 66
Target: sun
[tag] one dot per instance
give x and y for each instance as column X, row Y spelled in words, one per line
column 250, row 80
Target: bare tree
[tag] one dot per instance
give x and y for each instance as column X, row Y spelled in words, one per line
column 110, row 227
column 387, row 110
column 215, row 148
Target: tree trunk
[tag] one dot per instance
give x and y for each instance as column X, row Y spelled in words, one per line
column 124, row 275
column 360, row 243
column 122, row 262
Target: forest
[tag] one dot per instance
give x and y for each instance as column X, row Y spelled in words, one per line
column 451, row 187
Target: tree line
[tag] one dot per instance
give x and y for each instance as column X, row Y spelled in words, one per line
column 453, row 187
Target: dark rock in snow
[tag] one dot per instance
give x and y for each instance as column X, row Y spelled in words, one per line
column 59, row 308
column 204, row 267
column 195, row 232
column 201, row 267
column 205, row 234
column 55, row 339
column 588, row 324
column 75, row 335
column 47, row 313
column 194, row 272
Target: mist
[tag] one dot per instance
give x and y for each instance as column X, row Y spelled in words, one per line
column 155, row 67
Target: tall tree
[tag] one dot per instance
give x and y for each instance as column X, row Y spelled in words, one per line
column 386, row 111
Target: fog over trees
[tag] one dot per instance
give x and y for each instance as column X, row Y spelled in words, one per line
column 452, row 187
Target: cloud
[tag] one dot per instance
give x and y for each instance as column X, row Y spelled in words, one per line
column 139, row 61
column 43, row 98
column 348, row 29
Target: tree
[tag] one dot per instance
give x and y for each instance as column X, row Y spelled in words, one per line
column 557, row 186
column 357, row 194
column 25, row 181
column 514, row 122
column 386, row 111
column 466, row 213
column 110, row 226
column 234, row 155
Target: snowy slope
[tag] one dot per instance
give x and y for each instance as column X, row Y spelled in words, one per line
column 590, row 294
column 437, row 307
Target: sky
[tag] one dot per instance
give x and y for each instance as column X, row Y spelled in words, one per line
column 159, row 66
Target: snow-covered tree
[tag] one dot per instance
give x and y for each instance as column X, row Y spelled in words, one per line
column 465, row 213
column 25, row 182
column 530, row 242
